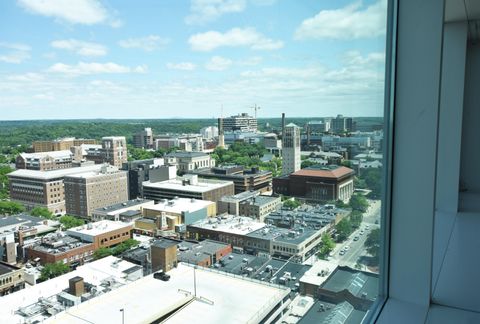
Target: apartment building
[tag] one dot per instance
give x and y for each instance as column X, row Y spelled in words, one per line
column 143, row 139
column 115, row 150
column 45, row 161
column 88, row 191
column 34, row 188
column 60, row 144
column 189, row 161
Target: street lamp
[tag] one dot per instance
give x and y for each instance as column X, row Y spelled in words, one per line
column 123, row 315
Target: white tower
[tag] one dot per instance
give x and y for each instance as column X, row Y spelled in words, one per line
column 291, row 149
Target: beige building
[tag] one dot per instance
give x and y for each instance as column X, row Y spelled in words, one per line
column 34, row 188
column 115, row 150
column 88, row 191
column 11, row 278
column 61, row 144
column 45, row 161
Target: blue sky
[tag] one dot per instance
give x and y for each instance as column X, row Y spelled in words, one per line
column 172, row 58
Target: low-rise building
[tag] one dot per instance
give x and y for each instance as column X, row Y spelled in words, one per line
column 60, row 144
column 249, row 204
column 205, row 253
column 142, row 170
column 117, row 212
column 86, row 192
column 315, row 216
column 45, row 161
column 188, row 187
column 34, row 188
column 189, row 161
column 104, row 233
column 317, row 184
column 11, row 278
column 244, row 180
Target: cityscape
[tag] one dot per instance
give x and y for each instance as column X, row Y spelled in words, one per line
column 201, row 161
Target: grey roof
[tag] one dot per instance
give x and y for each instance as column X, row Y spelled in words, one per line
column 165, row 243
column 357, row 282
column 132, row 269
column 342, row 313
column 200, row 251
column 278, row 234
column 24, row 219
column 186, row 154
column 128, row 203
column 6, row 268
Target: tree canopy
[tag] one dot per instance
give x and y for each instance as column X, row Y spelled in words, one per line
column 52, row 270
column 326, row 247
column 4, row 189
column 42, row 212
column 10, row 208
column 116, row 250
column 344, row 229
column 291, row 203
column 71, row 221
column 359, row 203
column 372, row 243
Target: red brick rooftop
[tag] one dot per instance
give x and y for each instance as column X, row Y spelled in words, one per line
column 333, row 174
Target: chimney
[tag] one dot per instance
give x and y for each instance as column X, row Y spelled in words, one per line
column 221, row 138
column 283, row 126
column 76, row 286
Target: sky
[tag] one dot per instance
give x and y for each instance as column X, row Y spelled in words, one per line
column 78, row 59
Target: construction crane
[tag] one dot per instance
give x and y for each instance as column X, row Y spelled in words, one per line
column 256, row 108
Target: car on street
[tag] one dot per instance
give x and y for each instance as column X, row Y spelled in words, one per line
column 361, row 232
column 356, row 238
column 342, row 252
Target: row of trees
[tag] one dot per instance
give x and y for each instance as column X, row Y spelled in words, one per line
column 359, row 205
column 4, row 170
column 116, row 250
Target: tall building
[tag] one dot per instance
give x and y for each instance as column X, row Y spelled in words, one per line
column 221, row 134
column 140, row 171
column 342, row 124
column 115, row 150
column 34, row 188
column 143, row 139
column 241, row 122
column 86, row 192
column 291, row 149
column 60, row 144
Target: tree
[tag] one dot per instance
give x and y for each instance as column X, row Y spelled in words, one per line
column 4, row 188
column 373, row 181
column 70, row 221
column 42, row 212
column 327, row 246
column 372, row 243
column 291, row 203
column 344, row 229
column 340, row 204
column 10, row 208
column 52, row 270
column 101, row 253
column 307, row 163
column 116, row 250
column 358, row 203
column 356, row 218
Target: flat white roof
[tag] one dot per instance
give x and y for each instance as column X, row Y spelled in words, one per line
column 54, row 154
column 92, row 273
column 312, row 277
column 174, row 184
column 97, row 228
column 148, row 299
column 47, row 175
column 93, row 174
column 179, row 205
column 230, row 224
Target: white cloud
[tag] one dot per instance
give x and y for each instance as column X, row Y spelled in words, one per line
column 351, row 22
column 44, row 96
column 185, row 66
column 254, row 60
column 86, row 12
column 203, row 11
column 27, row 77
column 80, row 47
column 83, row 68
column 263, row 2
column 218, row 63
column 14, row 52
column 248, row 37
column 147, row 43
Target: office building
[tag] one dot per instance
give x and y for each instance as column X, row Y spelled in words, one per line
column 61, row 144
column 272, row 143
column 291, row 149
column 103, row 233
column 143, row 139
column 245, row 180
column 241, row 122
column 249, row 204
column 317, row 184
column 88, row 191
column 122, row 211
column 342, row 124
column 45, row 161
column 188, row 187
column 189, row 161
column 115, row 150
column 141, row 170
column 34, row 188
column 209, row 132
column 183, row 142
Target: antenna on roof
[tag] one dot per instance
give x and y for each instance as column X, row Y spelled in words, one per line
column 256, row 108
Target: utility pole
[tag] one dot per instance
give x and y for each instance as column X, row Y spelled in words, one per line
column 256, row 108
column 123, row 315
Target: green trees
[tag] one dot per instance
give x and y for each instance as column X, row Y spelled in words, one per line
column 356, row 218
column 372, row 179
column 4, row 190
column 344, row 229
column 42, row 212
column 358, row 203
column 52, row 270
column 372, row 243
column 327, row 246
column 291, row 203
column 240, row 153
column 116, row 250
column 10, row 208
column 70, row 221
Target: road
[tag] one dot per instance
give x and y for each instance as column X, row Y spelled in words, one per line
column 356, row 249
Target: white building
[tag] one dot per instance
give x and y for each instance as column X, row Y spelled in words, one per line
column 241, row 122
column 209, row 132
column 291, row 149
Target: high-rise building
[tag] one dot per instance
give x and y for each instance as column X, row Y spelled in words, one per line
column 143, row 139
column 342, row 124
column 291, row 149
column 241, row 122
column 85, row 192
column 115, row 150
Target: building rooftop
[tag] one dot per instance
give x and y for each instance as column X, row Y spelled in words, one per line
column 324, row 173
column 54, row 174
column 315, row 216
column 359, row 283
column 147, row 300
column 179, row 205
column 230, row 224
column 313, row 275
column 165, row 243
column 203, row 185
column 26, row 220
column 65, row 154
column 123, row 205
column 240, row 196
column 105, row 170
column 200, row 251
column 7, row 268
column 97, row 228
column 186, row 154
column 58, row 243
column 285, row 235
column 323, row 312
